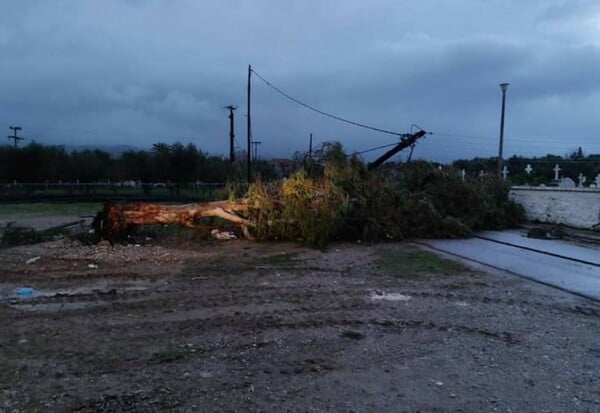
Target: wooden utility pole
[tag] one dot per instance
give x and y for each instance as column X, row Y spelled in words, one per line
column 248, row 155
column 310, row 147
column 255, row 154
column 231, row 133
column 14, row 137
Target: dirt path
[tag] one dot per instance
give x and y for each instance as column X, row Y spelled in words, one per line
column 276, row 327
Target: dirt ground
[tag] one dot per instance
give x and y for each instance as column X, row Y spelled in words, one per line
column 200, row 326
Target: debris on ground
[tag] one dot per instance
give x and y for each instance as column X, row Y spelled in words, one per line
column 222, row 235
column 32, row 260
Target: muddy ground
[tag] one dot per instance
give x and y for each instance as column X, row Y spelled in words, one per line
column 201, row 326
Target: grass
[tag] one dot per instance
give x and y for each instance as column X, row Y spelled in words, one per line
column 354, row 335
column 231, row 262
column 284, row 259
column 52, row 209
column 173, row 353
column 410, row 262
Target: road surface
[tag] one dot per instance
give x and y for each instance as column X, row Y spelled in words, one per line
column 556, row 263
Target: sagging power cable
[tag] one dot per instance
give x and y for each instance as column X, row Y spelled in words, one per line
column 329, row 115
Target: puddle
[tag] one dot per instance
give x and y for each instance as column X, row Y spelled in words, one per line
column 12, row 294
column 88, row 298
column 389, row 296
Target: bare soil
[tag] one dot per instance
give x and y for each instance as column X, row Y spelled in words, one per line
column 238, row 326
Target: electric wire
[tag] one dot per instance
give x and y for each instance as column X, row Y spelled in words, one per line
column 329, row 115
column 374, row 149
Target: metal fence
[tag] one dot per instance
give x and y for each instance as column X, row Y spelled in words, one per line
column 106, row 190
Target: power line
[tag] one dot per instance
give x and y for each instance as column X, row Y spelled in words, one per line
column 329, row 115
column 375, row 148
column 527, row 139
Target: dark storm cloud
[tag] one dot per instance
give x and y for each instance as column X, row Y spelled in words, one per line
column 143, row 71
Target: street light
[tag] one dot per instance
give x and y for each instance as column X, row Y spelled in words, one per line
column 503, row 86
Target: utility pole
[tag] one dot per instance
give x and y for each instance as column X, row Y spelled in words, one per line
column 310, row 147
column 231, row 133
column 255, row 144
column 503, row 86
column 248, row 155
column 14, row 137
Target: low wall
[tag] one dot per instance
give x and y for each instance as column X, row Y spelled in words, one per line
column 574, row 207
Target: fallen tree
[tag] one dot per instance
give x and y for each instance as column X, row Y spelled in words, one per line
column 341, row 199
column 117, row 219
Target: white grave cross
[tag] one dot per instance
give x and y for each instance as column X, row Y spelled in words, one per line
column 505, row 172
column 528, row 169
column 582, row 179
column 556, row 171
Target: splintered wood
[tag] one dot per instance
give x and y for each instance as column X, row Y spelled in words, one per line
column 116, row 219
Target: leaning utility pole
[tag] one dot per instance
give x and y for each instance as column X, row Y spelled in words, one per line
column 231, row 133
column 248, row 155
column 14, row 137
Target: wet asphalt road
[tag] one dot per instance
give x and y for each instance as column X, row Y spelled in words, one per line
column 545, row 261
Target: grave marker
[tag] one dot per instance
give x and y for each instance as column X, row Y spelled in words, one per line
column 556, row 171
column 505, row 172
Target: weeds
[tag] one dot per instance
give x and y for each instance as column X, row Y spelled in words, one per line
column 174, row 353
column 413, row 262
column 351, row 334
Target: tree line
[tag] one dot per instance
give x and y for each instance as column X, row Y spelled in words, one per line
column 176, row 163
column 179, row 163
column 542, row 167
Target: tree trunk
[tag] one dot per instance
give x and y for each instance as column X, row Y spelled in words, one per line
column 113, row 222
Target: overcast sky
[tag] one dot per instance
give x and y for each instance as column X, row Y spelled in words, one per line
column 141, row 71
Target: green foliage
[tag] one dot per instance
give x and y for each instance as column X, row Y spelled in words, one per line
column 341, row 199
column 299, row 208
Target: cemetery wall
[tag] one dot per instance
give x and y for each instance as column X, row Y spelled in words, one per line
column 574, row 207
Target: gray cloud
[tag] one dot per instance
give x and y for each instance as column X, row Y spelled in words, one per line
column 142, row 71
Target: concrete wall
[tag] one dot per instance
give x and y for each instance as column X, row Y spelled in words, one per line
column 574, row 207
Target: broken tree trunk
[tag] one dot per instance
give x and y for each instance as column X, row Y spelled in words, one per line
column 113, row 222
